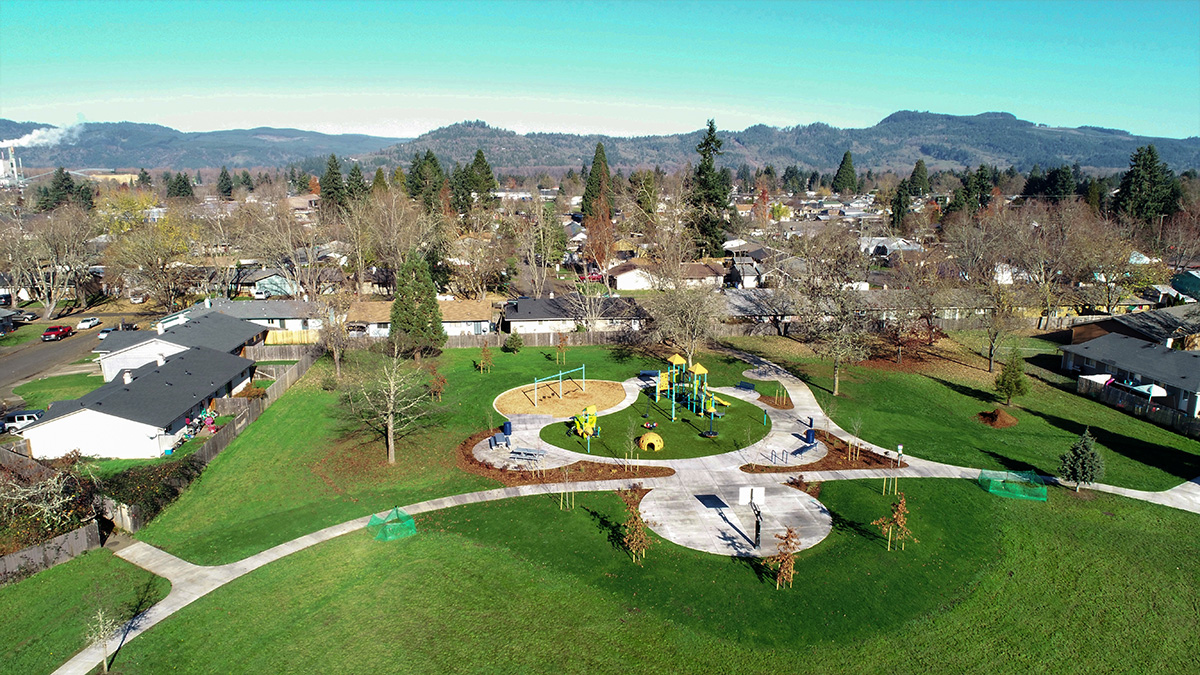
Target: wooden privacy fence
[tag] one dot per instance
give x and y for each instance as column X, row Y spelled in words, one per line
column 1136, row 405
column 278, row 352
column 292, row 337
column 47, row 554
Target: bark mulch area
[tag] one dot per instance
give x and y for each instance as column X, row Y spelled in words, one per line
column 835, row 460
column 997, row 419
column 777, row 402
column 812, row 489
column 577, row 472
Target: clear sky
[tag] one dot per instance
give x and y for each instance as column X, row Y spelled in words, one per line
column 402, row 68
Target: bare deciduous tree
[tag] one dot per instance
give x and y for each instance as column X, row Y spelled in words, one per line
column 153, row 256
column 391, row 400
column 49, row 256
column 686, row 317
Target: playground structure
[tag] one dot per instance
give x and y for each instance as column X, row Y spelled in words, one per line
column 688, row 386
column 586, row 423
column 582, row 376
column 650, row 442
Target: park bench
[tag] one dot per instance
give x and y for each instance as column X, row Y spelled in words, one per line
column 648, row 373
column 748, row 386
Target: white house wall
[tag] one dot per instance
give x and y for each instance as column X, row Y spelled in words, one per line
column 135, row 357
column 98, row 435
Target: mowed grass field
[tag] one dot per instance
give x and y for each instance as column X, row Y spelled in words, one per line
column 43, row 392
column 44, row 618
column 300, row 467
column 930, row 408
column 1095, row 584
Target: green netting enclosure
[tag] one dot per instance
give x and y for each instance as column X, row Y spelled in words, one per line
column 1014, row 484
column 395, row 525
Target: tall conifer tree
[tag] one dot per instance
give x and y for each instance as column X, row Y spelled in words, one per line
column 845, row 181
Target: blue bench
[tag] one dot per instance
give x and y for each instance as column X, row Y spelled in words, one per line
column 498, row 440
column 748, row 386
column 648, row 373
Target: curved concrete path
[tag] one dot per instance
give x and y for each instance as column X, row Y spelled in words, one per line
column 718, row 473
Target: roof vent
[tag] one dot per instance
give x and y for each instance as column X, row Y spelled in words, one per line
column 160, row 359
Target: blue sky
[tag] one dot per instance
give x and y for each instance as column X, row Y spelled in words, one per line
column 402, row 68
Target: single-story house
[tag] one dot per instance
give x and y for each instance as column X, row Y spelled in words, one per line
column 268, row 280
column 143, row 413
column 1171, row 327
column 1137, row 363
column 565, row 314
column 631, row 276
column 886, row 246
column 459, row 317
column 127, row 350
column 274, row 314
column 759, row 305
column 744, row 272
column 703, row 274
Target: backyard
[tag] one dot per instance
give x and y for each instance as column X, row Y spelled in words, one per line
column 930, row 407
column 41, row 393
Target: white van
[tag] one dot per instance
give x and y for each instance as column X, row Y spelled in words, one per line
column 260, row 294
column 19, row 419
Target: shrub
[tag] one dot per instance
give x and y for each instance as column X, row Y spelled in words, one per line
column 514, row 343
column 152, row 487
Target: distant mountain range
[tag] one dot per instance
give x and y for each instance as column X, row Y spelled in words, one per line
column 126, row 145
column 897, row 142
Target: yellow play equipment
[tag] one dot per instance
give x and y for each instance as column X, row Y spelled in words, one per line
column 586, row 422
column 650, row 442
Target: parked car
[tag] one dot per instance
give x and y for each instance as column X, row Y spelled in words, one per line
column 88, row 322
column 27, row 317
column 594, row 276
column 56, row 333
column 19, row 419
column 137, row 298
column 104, row 332
column 260, row 295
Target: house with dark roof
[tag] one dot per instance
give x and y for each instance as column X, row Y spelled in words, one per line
column 1171, row 327
column 144, row 412
column 128, row 350
column 1168, row 377
column 273, row 314
column 566, row 314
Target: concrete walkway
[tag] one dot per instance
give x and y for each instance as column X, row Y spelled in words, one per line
column 697, row 507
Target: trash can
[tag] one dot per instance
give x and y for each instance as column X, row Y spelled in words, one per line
column 810, row 436
column 508, row 428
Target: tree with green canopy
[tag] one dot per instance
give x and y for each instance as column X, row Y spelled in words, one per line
column 225, row 184
column 333, row 188
column 379, row 184
column 709, row 196
column 918, row 182
column 356, row 185
column 845, row 181
column 1012, row 380
column 144, row 180
column 416, row 320
column 900, row 202
column 1082, row 463
column 1149, row 190
column 598, row 180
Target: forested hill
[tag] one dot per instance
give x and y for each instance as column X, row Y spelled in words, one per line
column 897, row 142
column 131, row 145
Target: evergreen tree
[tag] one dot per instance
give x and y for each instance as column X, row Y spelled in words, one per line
column 1148, row 189
column 425, row 181
column 918, row 182
column 379, row 185
column 598, row 180
column 845, row 181
column 83, row 196
column 333, row 189
column 900, row 202
column 166, row 178
column 483, row 180
column 792, row 180
column 814, row 180
column 1060, row 183
column 246, row 181
column 144, row 180
column 709, row 195
column 180, row 186
column 356, row 185
column 399, row 180
column 416, row 326
column 1012, row 380
column 199, row 181
column 62, row 189
column 460, row 189
column 224, row 184
column 1082, row 463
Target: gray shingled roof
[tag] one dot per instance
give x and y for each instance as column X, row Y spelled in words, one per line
column 543, row 309
column 1159, row 325
column 260, row 309
column 158, row 394
column 214, row 330
column 1167, row 366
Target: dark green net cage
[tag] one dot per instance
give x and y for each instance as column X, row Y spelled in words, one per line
column 395, row 525
column 1014, row 484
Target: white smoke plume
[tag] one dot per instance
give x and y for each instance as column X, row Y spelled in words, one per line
column 45, row 137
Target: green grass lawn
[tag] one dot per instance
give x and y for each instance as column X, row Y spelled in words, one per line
column 296, row 470
column 742, row 425
column 21, row 335
column 40, row 393
column 933, row 415
column 45, row 616
column 1100, row 585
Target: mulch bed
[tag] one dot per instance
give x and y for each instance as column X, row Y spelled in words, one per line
column 812, row 489
column 577, row 472
column 777, row 402
column 997, row 419
column 835, row 460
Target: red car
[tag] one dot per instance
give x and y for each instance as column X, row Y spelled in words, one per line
column 594, row 276
column 56, row 333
